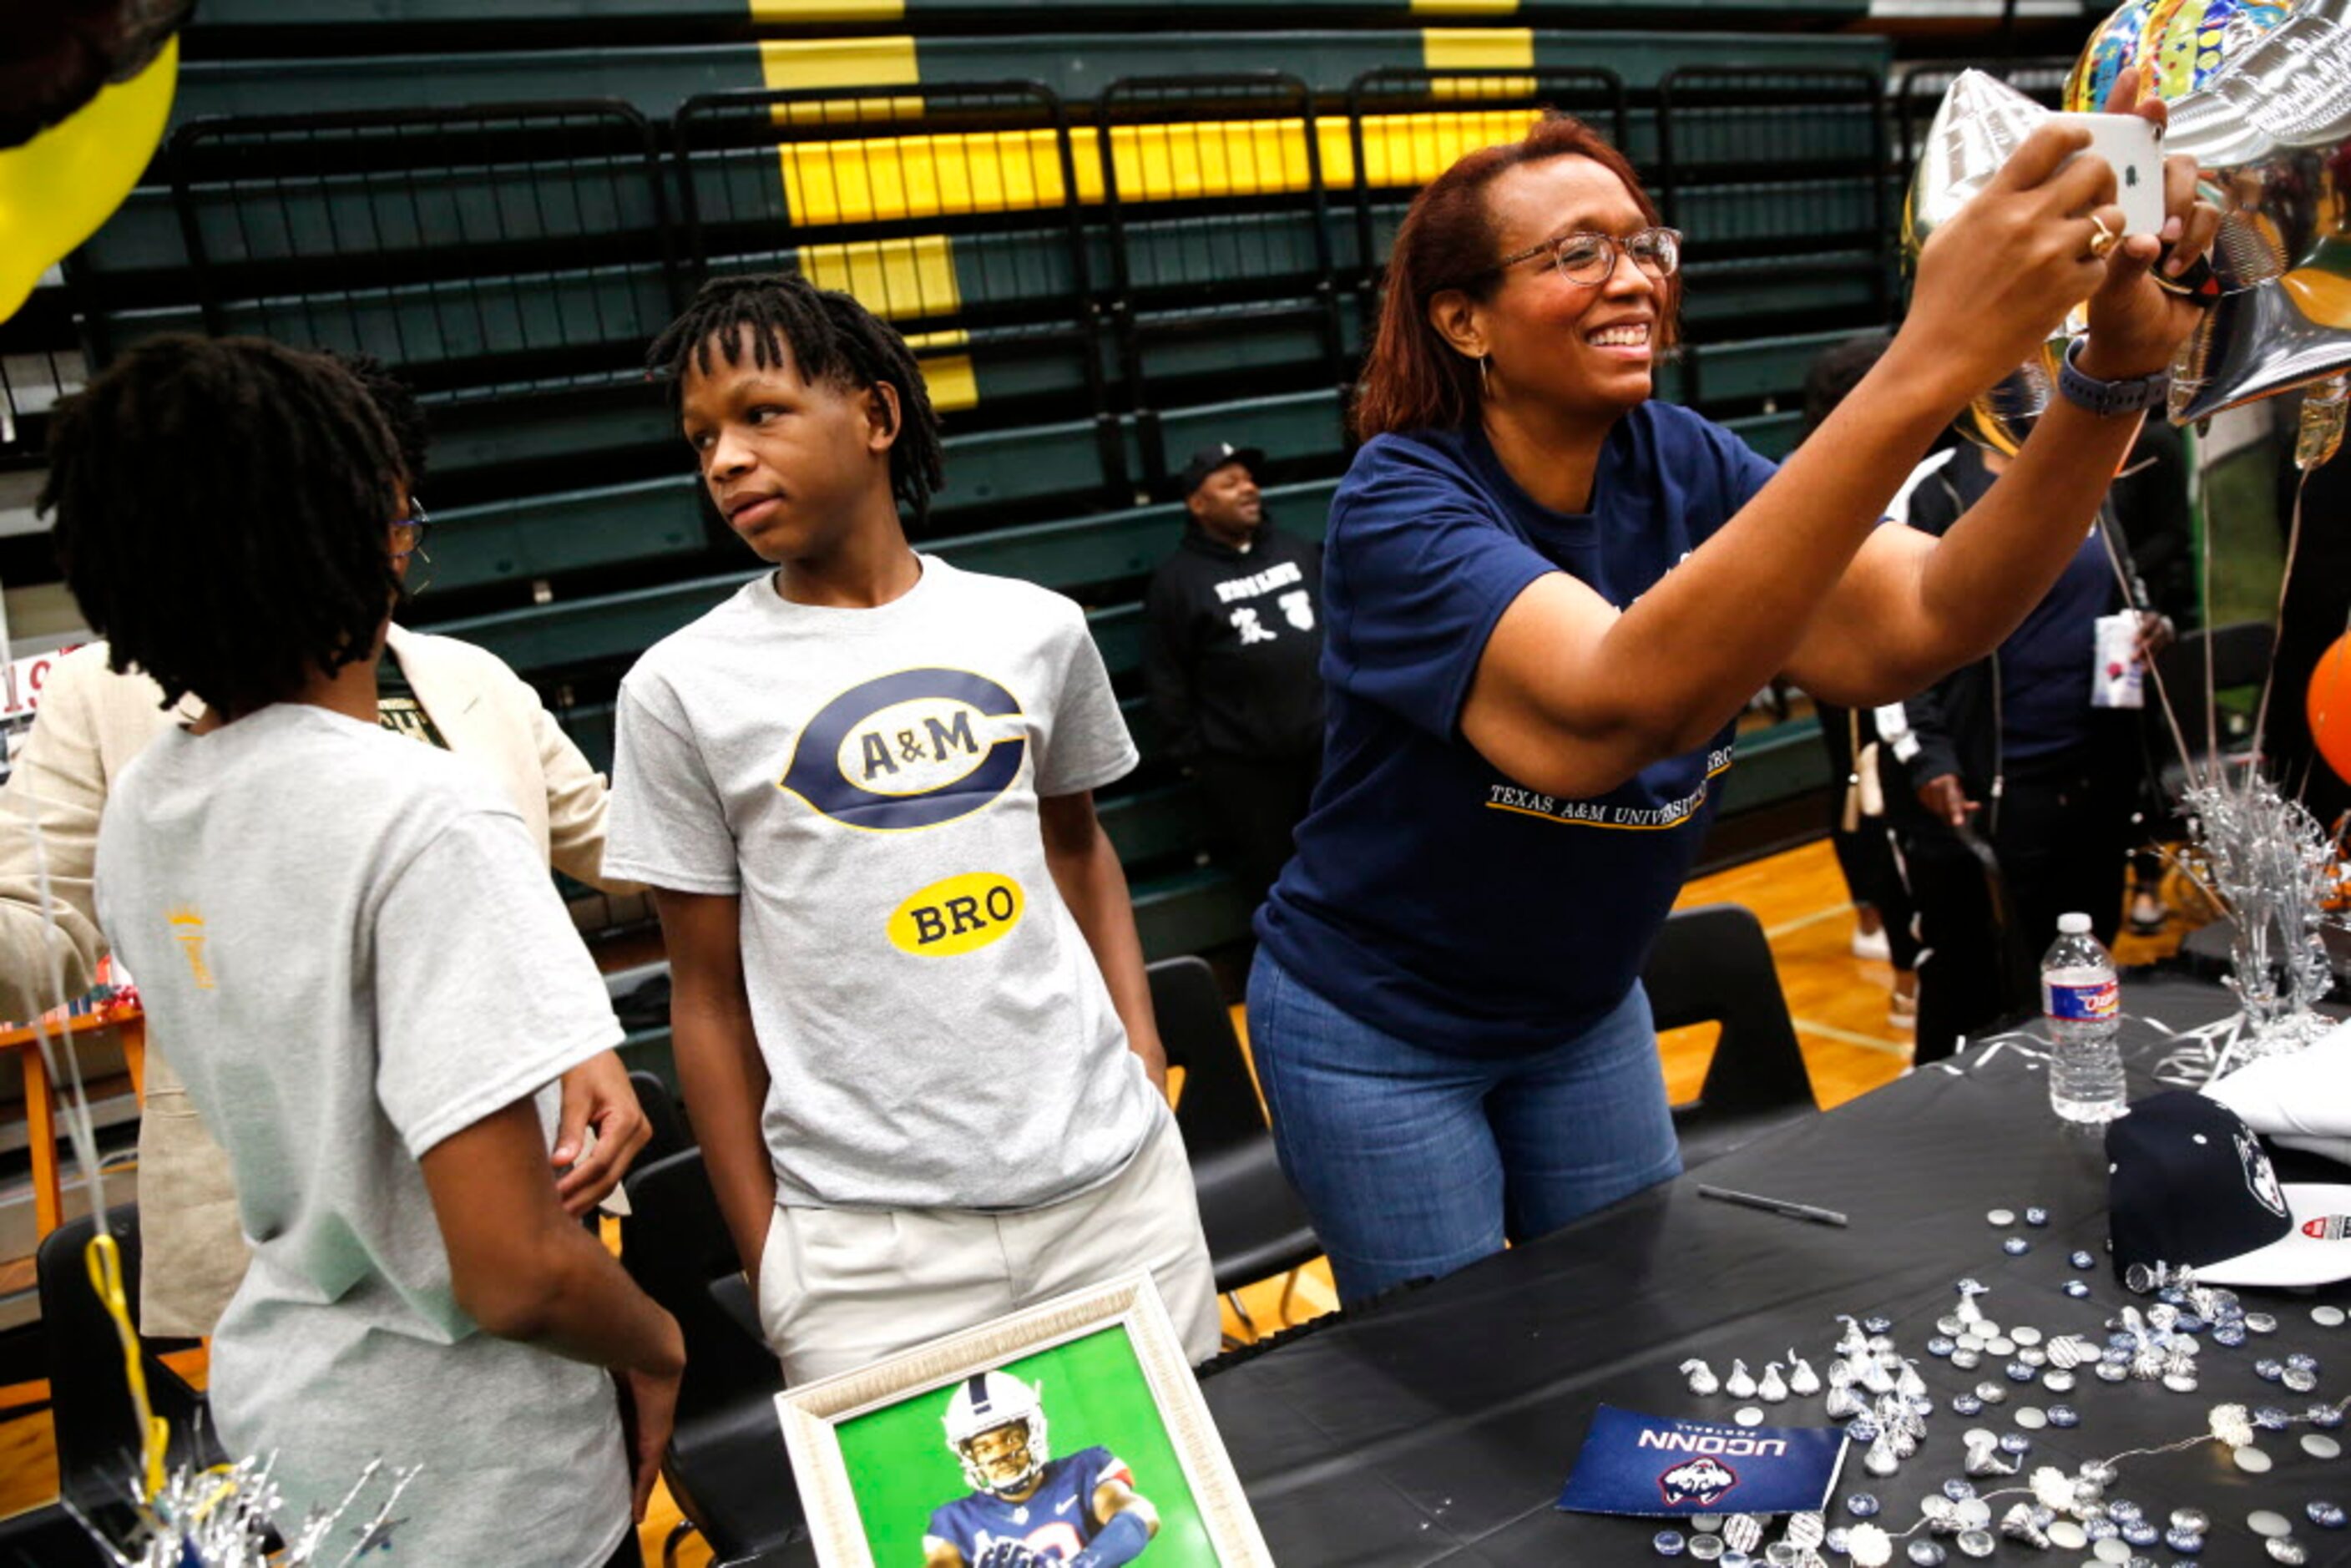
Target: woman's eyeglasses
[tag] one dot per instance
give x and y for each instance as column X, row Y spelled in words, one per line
column 408, row 533
column 407, row 542
column 1589, row 259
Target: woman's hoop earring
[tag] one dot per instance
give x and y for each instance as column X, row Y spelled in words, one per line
column 1485, row 382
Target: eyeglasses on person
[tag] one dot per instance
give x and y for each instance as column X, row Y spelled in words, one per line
column 408, row 536
column 1589, row 259
column 408, row 532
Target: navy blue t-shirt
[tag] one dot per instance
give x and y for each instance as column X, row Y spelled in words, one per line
column 2045, row 666
column 1432, row 897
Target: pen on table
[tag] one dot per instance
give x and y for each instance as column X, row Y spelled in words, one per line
column 1774, row 1205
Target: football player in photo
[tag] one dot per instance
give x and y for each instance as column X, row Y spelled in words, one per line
column 1025, row 1506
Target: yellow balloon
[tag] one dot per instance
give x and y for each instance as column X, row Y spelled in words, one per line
column 56, row 189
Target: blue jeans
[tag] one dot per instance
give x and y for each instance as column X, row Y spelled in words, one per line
column 1414, row 1163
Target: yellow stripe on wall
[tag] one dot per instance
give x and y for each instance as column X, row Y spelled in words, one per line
column 1414, row 148
column 789, row 63
column 1203, row 158
column 952, row 384
column 884, row 178
column 887, row 179
column 897, row 280
column 1477, row 48
column 790, row 11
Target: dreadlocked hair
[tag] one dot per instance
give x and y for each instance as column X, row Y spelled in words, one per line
column 785, row 320
column 223, row 509
column 396, row 401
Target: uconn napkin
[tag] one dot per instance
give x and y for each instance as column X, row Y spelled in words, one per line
column 1633, row 1463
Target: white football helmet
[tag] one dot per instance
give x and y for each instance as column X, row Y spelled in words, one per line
column 985, row 1402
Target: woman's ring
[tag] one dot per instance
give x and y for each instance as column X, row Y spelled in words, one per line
column 2104, row 239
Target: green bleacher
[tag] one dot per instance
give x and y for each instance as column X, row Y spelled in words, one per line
column 231, row 18
column 1107, row 246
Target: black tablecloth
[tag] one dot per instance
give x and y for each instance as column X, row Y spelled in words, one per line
column 1439, row 1425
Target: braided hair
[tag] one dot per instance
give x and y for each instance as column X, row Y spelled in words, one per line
column 223, row 513
column 785, row 318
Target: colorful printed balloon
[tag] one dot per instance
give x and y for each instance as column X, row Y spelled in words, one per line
column 2181, row 43
column 2199, row 36
column 2112, row 49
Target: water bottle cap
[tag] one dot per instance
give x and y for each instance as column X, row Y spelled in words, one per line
column 2073, row 925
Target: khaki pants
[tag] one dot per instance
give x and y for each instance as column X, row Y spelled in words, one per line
column 841, row 1288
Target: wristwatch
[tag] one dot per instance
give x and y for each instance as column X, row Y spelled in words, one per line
column 2106, row 398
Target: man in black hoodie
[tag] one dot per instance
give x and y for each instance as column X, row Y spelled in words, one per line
column 1233, row 638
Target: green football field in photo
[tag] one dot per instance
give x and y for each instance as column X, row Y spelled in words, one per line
column 1093, row 1395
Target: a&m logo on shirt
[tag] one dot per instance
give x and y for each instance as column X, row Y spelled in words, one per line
column 908, row 750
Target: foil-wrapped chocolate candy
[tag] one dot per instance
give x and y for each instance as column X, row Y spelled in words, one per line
column 1984, row 1455
column 2019, row 1525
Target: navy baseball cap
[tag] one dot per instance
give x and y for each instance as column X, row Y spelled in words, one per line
column 1210, row 458
column 2188, row 1185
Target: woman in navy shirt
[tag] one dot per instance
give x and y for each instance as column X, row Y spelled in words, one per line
column 1548, row 600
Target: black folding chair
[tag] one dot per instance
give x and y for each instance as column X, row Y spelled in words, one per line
column 1256, row 1227
column 1712, row 965
column 98, row 1441
column 48, row 1538
column 727, row 1467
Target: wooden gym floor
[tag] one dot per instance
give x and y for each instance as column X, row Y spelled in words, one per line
column 1839, row 1003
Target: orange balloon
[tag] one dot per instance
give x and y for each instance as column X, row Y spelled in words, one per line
column 2330, row 706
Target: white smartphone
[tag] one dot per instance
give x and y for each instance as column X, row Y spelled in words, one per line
column 2134, row 146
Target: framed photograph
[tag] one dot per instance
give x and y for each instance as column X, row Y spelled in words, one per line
column 1069, row 1432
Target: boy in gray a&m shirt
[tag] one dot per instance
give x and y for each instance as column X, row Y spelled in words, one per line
column 909, row 1006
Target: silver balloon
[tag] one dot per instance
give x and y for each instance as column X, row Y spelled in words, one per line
column 1981, row 121
column 2291, row 87
column 2284, row 320
column 2272, row 131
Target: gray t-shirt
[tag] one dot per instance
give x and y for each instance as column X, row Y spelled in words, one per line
column 936, row 1030
column 353, row 946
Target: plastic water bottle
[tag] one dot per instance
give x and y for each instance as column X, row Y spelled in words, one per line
column 2083, row 1002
